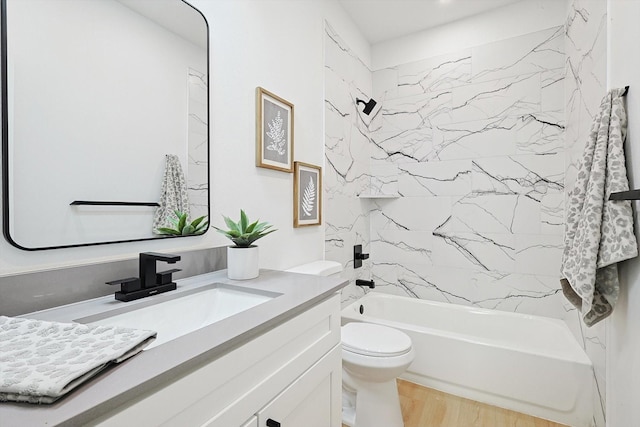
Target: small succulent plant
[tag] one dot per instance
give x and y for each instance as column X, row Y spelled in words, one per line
column 243, row 233
column 183, row 227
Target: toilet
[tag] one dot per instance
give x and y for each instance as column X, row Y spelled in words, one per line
column 373, row 356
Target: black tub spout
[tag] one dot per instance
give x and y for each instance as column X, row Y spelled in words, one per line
column 370, row 283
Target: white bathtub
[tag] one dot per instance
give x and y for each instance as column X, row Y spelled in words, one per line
column 529, row 364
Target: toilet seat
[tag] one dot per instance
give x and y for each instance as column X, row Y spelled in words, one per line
column 373, row 340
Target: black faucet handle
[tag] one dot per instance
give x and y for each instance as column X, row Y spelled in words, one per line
column 130, row 284
column 168, row 258
column 165, row 277
column 358, row 256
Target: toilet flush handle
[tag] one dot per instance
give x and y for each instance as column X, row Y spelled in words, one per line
column 272, row 423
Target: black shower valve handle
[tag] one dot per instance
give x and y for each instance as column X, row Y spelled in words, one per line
column 358, row 256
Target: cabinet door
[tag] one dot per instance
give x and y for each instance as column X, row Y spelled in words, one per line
column 253, row 422
column 313, row 400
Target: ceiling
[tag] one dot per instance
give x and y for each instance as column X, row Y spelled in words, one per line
column 381, row 20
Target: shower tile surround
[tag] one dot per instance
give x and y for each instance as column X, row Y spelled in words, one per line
column 476, row 138
column 585, row 85
column 346, row 171
column 472, row 142
column 480, row 146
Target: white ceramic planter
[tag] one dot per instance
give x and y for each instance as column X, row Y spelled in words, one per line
column 242, row 263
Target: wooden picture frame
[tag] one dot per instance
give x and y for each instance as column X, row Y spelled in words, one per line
column 307, row 195
column 274, row 131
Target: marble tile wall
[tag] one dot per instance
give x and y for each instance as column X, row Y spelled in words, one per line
column 346, row 172
column 473, row 144
column 198, row 167
column 585, row 85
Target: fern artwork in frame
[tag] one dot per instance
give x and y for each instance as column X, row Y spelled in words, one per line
column 307, row 194
column 274, row 131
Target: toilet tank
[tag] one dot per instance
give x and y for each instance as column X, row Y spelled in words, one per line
column 319, row 268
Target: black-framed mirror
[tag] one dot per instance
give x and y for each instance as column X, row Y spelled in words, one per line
column 96, row 96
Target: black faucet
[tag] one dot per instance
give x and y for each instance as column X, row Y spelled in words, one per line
column 148, row 268
column 150, row 282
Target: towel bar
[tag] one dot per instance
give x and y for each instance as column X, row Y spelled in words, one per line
column 101, row 203
column 625, row 195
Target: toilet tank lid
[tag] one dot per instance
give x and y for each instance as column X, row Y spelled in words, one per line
column 320, row 268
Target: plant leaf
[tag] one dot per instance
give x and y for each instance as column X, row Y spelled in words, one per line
column 260, row 227
column 232, row 225
column 165, row 230
column 197, row 221
column 251, row 227
column 183, row 220
column 243, row 221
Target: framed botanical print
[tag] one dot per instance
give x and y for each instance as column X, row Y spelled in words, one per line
column 307, row 194
column 274, row 131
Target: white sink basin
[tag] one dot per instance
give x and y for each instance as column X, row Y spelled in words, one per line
column 172, row 316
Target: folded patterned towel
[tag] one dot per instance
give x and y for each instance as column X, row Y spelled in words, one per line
column 41, row 361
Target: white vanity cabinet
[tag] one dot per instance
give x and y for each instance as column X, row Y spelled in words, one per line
column 288, row 376
column 253, row 422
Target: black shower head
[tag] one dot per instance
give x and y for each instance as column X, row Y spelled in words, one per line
column 368, row 106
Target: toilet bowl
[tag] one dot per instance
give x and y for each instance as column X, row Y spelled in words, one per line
column 373, row 356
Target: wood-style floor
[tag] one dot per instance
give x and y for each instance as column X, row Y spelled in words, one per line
column 425, row 407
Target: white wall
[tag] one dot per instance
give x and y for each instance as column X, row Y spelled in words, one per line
column 623, row 336
column 514, row 20
column 274, row 44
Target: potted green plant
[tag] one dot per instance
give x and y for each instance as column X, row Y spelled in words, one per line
column 183, row 227
column 242, row 258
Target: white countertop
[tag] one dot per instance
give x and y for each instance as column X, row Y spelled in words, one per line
column 159, row 365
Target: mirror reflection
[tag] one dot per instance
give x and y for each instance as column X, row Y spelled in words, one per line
column 104, row 101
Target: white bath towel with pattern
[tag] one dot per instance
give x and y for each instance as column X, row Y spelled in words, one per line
column 599, row 231
column 173, row 196
column 42, row 361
